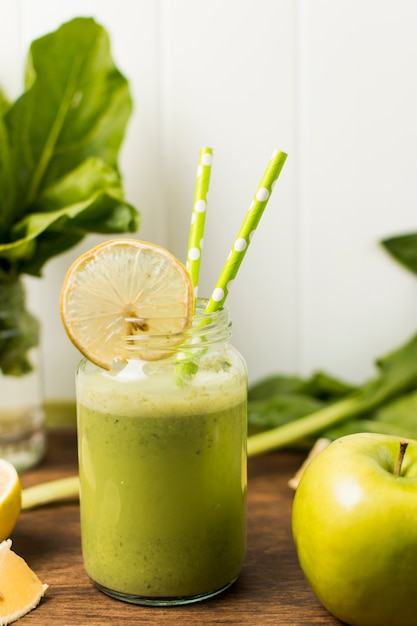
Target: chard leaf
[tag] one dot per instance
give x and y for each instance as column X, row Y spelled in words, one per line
column 77, row 105
column 320, row 385
column 280, row 409
column 90, row 177
column 4, row 102
column 280, row 399
column 102, row 213
column 60, row 141
column 274, row 385
column 7, row 176
column 397, row 376
column 404, row 249
column 385, row 404
column 398, row 417
column 88, row 199
column 327, row 388
column 402, row 412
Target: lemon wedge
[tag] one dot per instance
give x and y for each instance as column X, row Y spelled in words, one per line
column 20, row 588
column 10, row 498
column 123, row 288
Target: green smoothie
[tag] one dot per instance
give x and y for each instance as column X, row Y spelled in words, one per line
column 163, row 480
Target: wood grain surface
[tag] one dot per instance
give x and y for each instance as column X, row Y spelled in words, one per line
column 270, row 590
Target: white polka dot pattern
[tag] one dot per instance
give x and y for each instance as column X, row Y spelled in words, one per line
column 246, row 231
column 198, row 216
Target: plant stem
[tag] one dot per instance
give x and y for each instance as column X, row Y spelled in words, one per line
column 302, row 427
column 397, row 376
column 50, row 492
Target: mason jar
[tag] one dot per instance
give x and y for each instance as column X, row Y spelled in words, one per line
column 162, row 461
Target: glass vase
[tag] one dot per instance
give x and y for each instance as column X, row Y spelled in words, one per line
column 22, row 423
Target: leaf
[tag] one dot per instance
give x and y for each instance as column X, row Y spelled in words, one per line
column 77, row 106
column 102, row 214
column 274, row 385
column 7, row 174
column 320, row 385
column 54, row 232
column 404, row 249
column 325, row 387
column 402, row 412
column 397, row 376
column 398, row 417
column 88, row 199
column 59, row 144
column 280, row 399
column 91, row 176
column 59, row 176
column 280, row 409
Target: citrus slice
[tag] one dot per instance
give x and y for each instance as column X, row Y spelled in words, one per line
column 10, row 498
column 121, row 289
column 20, row 588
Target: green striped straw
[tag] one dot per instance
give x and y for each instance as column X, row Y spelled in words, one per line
column 244, row 236
column 198, row 216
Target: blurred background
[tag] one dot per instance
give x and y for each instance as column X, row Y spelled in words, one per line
column 333, row 84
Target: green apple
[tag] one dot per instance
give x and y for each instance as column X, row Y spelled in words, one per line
column 354, row 523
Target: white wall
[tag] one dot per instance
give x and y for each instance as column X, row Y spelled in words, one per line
column 333, row 84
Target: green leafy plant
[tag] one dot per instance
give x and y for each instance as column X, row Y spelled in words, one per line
column 59, row 175
column 404, row 249
column 292, row 411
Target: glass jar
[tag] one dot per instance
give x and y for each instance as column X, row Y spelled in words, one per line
column 22, row 420
column 162, row 461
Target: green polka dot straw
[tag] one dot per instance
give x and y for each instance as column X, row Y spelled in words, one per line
column 249, row 225
column 198, row 216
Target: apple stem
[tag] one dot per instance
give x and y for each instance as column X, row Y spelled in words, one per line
column 400, row 458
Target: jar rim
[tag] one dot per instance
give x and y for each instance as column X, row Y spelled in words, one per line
column 201, row 328
column 200, row 319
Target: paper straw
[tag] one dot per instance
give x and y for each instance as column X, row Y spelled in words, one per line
column 244, row 236
column 198, row 216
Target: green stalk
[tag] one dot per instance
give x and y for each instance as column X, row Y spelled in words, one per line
column 397, row 375
column 51, row 491
column 19, row 329
column 303, row 427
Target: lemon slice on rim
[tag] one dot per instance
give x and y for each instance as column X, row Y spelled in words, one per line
column 124, row 288
column 10, row 498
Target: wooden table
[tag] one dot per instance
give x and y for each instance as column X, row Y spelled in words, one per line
column 270, row 590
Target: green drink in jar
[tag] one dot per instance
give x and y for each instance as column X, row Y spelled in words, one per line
column 161, row 409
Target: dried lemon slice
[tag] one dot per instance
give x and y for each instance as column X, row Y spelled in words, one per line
column 126, row 287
